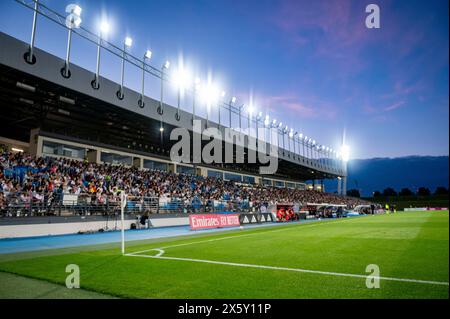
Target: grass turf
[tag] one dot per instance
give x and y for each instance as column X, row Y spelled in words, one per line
column 411, row 245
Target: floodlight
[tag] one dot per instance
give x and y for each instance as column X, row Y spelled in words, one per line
column 104, row 27
column 345, row 152
column 148, row 54
column 233, row 99
column 250, row 110
column 301, row 135
column 182, row 78
column 128, row 41
column 76, row 10
column 166, row 65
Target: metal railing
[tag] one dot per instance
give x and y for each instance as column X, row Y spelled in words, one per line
column 61, row 204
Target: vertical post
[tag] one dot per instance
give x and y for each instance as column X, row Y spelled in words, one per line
column 123, row 202
column 143, row 81
column 229, row 113
column 97, row 66
column 240, row 120
column 122, row 71
column 218, row 108
column 160, row 109
column 33, row 32
column 69, row 42
column 193, row 105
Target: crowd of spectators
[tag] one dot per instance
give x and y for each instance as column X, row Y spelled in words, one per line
column 45, row 179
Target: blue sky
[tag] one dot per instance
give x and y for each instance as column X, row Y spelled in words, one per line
column 311, row 64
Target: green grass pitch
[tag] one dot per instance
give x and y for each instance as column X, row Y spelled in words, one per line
column 311, row 260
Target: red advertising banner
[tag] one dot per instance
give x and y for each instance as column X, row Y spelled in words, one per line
column 201, row 221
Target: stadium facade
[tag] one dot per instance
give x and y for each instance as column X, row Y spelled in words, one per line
column 48, row 112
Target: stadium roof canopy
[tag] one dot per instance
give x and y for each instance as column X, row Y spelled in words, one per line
column 38, row 96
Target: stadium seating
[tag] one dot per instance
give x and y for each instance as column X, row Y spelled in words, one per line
column 24, row 179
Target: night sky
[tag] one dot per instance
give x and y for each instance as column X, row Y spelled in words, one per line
column 311, row 64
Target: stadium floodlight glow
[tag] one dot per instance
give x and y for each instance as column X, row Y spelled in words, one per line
column 210, row 95
column 147, row 56
column 345, row 153
column 73, row 20
column 182, row 80
column 233, row 100
column 196, row 90
column 127, row 43
column 104, row 27
column 280, row 124
column 103, row 31
column 291, row 133
column 165, row 66
column 267, row 120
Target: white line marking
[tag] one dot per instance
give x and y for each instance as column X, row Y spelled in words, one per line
column 288, row 269
column 245, row 235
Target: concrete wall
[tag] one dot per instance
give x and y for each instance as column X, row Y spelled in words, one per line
column 30, row 230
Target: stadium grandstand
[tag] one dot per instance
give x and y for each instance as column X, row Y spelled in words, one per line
column 71, row 140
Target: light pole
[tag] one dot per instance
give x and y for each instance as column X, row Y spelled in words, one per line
column 219, row 105
column 232, row 101
column 285, row 130
column 312, row 151
column 250, row 113
column 104, row 29
column 73, row 20
column 127, row 43
column 293, row 141
column 147, row 55
column 196, row 89
column 279, row 127
column 240, row 117
column 258, row 118
column 165, row 66
column 266, row 127
column 30, row 55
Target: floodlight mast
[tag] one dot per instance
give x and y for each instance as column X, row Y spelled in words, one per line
column 160, row 109
column 147, row 55
column 33, row 33
column 127, row 43
column 104, row 28
column 232, row 101
column 73, row 20
column 196, row 89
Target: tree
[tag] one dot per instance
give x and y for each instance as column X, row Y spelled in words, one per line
column 441, row 190
column 389, row 192
column 406, row 192
column 423, row 191
column 376, row 194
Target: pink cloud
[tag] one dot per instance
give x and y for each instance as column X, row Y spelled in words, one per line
column 394, row 106
column 302, row 107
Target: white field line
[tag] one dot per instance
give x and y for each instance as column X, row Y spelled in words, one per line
column 159, row 256
column 243, row 235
